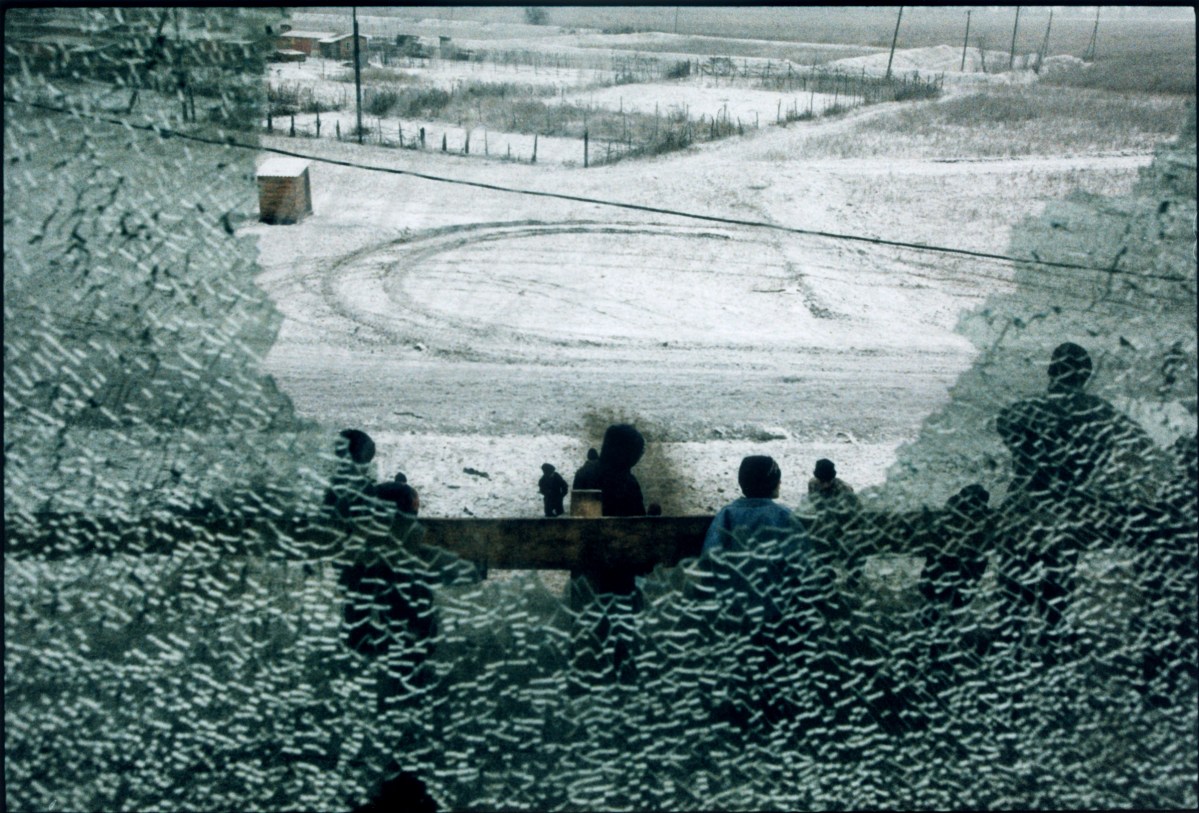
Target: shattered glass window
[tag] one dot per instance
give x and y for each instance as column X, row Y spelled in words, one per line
column 211, row 604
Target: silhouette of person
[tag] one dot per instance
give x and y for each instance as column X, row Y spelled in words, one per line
column 399, row 492
column 954, row 563
column 352, row 487
column 1070, row 445
column 1165, row 566
column 389, row 614
column 827, row 489
column 399, row 791
column 621, row 450
column 621, row 496
column 553, row 489
column 1073, row 460
column 587, row 476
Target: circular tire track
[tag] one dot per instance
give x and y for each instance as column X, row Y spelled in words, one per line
column 371, row 288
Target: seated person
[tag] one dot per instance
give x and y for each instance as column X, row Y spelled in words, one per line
column 827, row 490
column 759, row 478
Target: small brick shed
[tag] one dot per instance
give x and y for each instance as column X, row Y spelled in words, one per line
column 284, row 191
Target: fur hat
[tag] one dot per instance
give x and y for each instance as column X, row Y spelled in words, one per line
column 357, row 445
column 622, row 447
column 759, row 476
column 825, row 471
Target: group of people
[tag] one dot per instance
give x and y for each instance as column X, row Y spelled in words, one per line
column 1077, row 474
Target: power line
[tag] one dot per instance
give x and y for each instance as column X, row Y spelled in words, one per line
column 164, row 132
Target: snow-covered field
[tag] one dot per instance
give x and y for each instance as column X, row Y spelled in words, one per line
column 471, row 328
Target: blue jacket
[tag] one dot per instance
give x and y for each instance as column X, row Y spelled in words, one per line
column 746, row 516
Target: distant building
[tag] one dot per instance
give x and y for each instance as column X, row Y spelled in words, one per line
column 413, row 45
column 341, row 46
column 284, row 191
column 305, row 41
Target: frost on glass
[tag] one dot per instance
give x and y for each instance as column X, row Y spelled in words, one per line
column 176, row 625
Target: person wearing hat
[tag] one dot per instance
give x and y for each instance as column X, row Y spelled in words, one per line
column 351, row 490
column 827, row 489
column 759, row 477
column 1069, row 444
column 1078, row 468
column 587, row 476
column 553, row 490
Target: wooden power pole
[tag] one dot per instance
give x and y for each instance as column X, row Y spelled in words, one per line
column 1089, row 54
column 357, row 75
column 966, row 40
column 1012, row 59
column 894, row 39
column 1045, row 42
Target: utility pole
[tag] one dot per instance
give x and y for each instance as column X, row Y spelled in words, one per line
column 357, row 74
column 1089, row 54
column 894, row 39
column 966, row 40
column 1045, row 42
column 1012, row 60
column 676, row 19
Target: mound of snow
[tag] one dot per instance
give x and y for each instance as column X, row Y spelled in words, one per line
column 935, row 59
column 1059, row 64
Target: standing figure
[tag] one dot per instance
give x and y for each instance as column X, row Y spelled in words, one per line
column 1076, row 465
column 622, row 447
column 553, row 490
column 620, row 497
column 587, row 477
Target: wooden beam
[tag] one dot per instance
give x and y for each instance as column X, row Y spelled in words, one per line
column 636, row 543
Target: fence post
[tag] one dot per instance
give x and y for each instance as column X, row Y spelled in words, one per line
column 270, row 125
column 466, row 145
column 534, row 161
column 337, row 124
column 318, row 124
column 443, row 149
column 400, row 131
column 585, row 150
column 422, row 138
column 293, row 127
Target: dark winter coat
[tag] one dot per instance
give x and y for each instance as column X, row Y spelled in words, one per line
column 622, row 448
column 587, row 477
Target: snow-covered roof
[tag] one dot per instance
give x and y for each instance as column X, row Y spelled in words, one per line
column 309, row 35
column 339, row 37
column 282, row 168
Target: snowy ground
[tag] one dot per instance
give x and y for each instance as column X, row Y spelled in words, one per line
column 467, row 328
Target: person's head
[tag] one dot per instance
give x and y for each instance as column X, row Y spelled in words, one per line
column 1069, row 367
column 759, row 476
column 622, row 447
column 355, row 445
column 403, row 495
column 592, row 454
column 399, row 790
column 825, row 471
column 547, row 469
column 401, row 477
